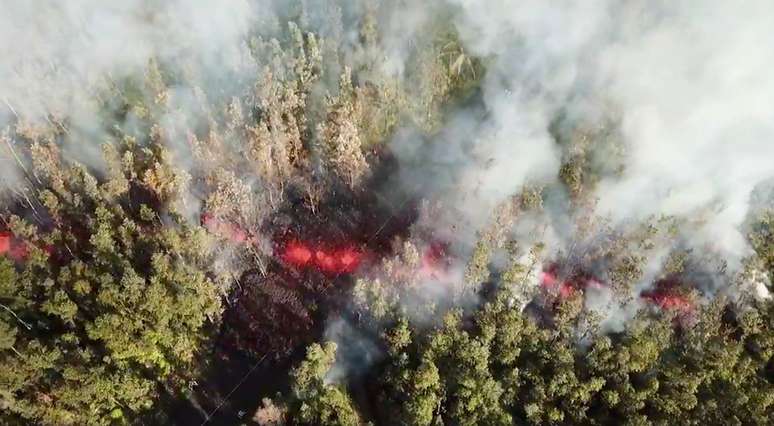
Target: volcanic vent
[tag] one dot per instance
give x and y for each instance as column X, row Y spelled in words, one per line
column 315, row 254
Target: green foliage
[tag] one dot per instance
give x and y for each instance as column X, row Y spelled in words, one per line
column 117, row 305
column 121, row 287
column 497, row 366
column 762, row 239
column 316, row 402
column 590, row 152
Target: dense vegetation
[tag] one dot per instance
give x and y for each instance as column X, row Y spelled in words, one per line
column 119, row 276
column 498, row 367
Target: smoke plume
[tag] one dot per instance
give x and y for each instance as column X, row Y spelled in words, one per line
column 689, row 82
column 686, row 84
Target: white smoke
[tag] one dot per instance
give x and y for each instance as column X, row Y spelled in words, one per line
column 59, row 59
column 54, row 53
column 691, row 82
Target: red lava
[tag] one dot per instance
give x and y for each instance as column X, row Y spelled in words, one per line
column 662, row 296
column 13, row 247
column 565, row 288
column 5, row 242
column 337, row 261
column 435, row 262
column 669, row 302
column 224, row 229
column 325, row 261
column 349, row 259
column 296, row 254
column 665, row 295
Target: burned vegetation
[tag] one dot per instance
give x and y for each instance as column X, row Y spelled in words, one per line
column 350, row 217
column 315, row 254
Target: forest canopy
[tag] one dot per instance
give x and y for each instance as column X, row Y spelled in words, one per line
column 386, row 212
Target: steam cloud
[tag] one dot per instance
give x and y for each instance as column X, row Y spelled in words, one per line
column 690, row 82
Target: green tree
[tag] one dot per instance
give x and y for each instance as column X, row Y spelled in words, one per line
column 317, row 402
column 115, row 306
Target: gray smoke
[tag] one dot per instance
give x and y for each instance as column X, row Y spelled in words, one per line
column 62, row 60
column 690, row 81
column 54, row 53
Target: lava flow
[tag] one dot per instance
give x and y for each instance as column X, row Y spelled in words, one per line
column 665, row 296
column 224, row 229
column 670, row 302
column 331, row 261
column 435, row 261
column 13, row 247
column 549, row 280
column 315, row 250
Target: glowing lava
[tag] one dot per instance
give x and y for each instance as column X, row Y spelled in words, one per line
column 302, row 255
column 224, row 229
column 296, row 254
column 13, row 247
column 5, row 242
column 349, row 259
column 435, row 262
column 325, row 261
column 666, row 295
column 663, row 295
column 669, row 301
column 549, row 281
